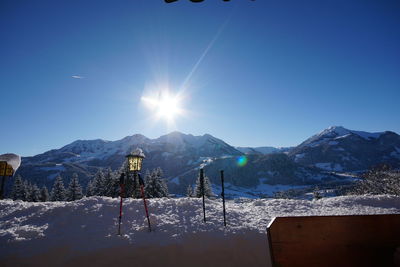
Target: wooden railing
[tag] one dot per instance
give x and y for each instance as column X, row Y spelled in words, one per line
column 359, row 240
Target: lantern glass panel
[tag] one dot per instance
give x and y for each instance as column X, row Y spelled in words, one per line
column 135, row 163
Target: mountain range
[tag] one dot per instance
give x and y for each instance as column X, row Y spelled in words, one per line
column 325, row 158
column 339, row 149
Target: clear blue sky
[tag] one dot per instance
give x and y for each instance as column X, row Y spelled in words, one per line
column 275, row 72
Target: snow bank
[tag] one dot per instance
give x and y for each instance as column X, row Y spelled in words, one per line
column 84, row 232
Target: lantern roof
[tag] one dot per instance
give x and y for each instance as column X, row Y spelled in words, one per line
column 136, row 153
column 12, row 159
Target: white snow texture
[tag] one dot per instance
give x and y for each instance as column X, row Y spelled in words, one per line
column 85, row 231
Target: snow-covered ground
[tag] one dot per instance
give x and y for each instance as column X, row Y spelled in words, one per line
column 84, row 232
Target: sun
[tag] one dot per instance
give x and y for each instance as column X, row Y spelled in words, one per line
column 167, row 107
column 164, row 105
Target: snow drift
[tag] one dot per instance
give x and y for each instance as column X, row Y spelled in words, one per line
column 83, row 233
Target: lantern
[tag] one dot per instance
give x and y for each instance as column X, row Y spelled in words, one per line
column 135, row 160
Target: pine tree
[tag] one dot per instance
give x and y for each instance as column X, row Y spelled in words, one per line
column 189, row 191
column 110, row 186
column 90, row 191
column 99, row 184
column 74, row 191
column 28, row 190
column 19, row 190
column 34, row 193
column 44, row 194
column 207, row 188
column 58, row 190
column 115, row 187
column 155, row 185
column 148, row 181
column 163, row 185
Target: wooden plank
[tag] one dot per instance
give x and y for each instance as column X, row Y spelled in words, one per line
column 360, row 240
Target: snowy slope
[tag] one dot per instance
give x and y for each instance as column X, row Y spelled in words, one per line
column 176, row 153
column 340, row 149
column 264, row 150
column 338, row 132
column 63, row 233
column 334, row 150
column 85, row 151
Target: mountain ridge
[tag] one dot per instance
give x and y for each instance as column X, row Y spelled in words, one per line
column 316, row 160
column 348, row 150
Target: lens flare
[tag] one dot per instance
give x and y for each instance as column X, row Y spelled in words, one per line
column 241, row 161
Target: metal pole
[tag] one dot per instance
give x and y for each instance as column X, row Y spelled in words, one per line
column 134, row 186
column 223, row 195
column 121, row 183
column 202, row 192
column 144, row 200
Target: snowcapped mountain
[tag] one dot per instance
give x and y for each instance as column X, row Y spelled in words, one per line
column 175, row 153
column 339, row 149
column 318, row 160
column 96, row 151
column 89, row 150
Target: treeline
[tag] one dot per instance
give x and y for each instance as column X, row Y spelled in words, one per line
column 26, row 191
column 380, row 179
column 102, row 184
column 108, row 185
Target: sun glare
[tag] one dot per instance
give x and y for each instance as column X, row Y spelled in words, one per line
column 164, row 105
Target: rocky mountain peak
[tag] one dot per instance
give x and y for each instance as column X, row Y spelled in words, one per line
column 337, row 130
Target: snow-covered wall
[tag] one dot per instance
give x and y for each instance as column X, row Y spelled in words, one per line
column 83, row 233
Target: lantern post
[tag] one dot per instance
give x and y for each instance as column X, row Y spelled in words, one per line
column 135, row 160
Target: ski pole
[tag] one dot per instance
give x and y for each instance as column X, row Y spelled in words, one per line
column 223, row 195
column 121, row 184
column 202, row 192
column 144, row 200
